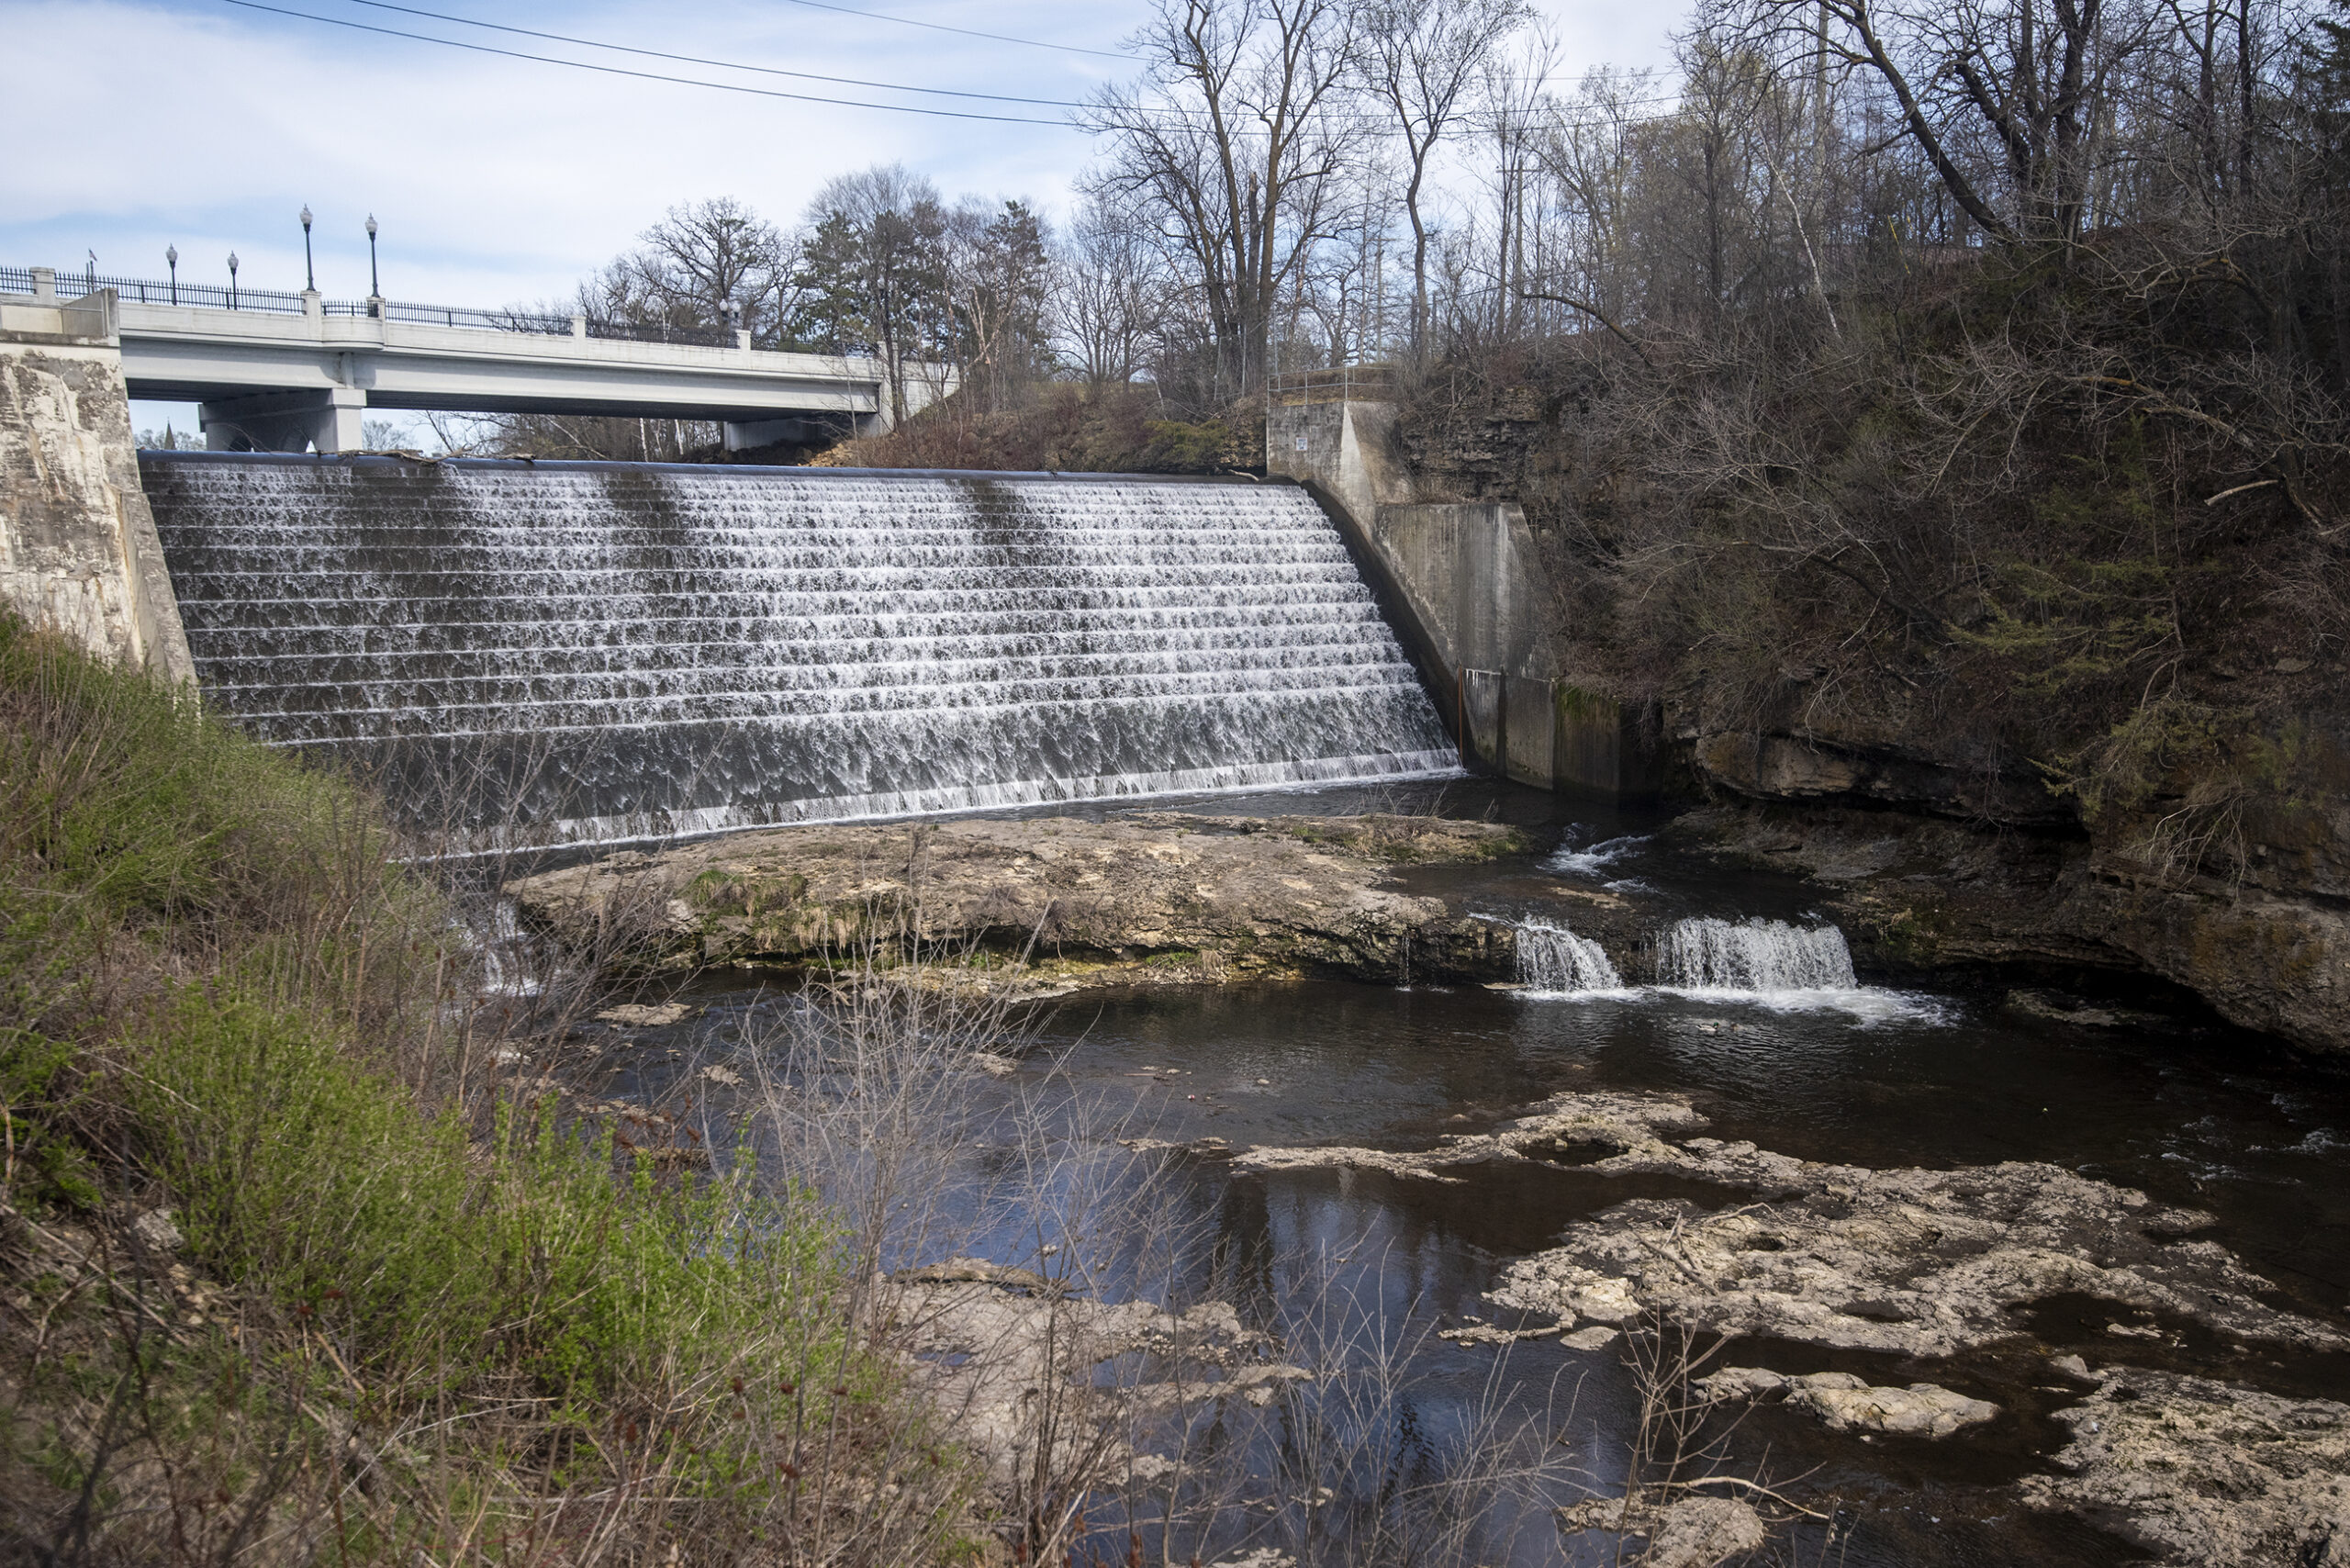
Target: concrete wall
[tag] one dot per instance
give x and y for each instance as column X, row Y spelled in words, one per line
column 78, row 550
column 1471, row 601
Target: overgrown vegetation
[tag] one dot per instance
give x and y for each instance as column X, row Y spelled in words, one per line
column 2006, row 432
column 292, row 1275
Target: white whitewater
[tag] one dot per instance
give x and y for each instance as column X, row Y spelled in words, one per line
column 591, row 653
column 1552, row 959
column 1709, row 953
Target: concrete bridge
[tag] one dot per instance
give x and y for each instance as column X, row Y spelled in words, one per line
column 277, row 372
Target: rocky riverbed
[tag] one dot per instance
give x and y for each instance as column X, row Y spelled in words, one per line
column 1933, row 1268
column 1151, row 899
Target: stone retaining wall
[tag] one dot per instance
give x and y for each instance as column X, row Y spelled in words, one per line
column 78, row 550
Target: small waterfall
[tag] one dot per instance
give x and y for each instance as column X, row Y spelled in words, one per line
column 1754, row 956
column 1553, row 958
column 624, row 650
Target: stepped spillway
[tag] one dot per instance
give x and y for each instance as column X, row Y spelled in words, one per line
column 598, row 652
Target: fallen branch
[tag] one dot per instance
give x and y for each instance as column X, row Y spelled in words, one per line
column 1596, row 314
column 1754, row 1486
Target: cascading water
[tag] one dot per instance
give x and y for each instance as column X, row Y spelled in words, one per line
column 1554, row 960
column 1705, row 953
column 599, row 652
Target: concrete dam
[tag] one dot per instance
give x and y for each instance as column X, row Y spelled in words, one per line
column 593, row 653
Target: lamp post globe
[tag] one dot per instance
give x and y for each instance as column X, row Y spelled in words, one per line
column 171, row 260
column 232, row 280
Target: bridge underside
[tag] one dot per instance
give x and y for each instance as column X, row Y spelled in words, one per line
column 238, row 418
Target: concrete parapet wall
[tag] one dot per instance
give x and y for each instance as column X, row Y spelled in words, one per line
column 78, row 549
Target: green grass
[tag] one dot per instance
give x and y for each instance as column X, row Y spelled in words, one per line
column 220, row 992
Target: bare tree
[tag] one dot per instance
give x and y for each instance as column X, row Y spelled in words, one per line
column 701, row 264
column 2006, row 98
column 1230, row 140
column 1111, row 293
column 1424, row 57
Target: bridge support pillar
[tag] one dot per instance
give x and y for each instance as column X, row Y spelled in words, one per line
column 286, row 421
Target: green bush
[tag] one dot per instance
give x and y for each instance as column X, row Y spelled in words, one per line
column 219, row 990
column 299, row 1168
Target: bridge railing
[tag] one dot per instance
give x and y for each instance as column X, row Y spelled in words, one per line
column 636, row 332
column 277, row 302
column 146, row 291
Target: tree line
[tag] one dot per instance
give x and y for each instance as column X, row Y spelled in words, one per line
column 1294, row 184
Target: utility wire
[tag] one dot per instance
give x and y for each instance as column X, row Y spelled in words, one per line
column 646, row 76
column 807, row 75
column 728, row 64
column 1110, row 111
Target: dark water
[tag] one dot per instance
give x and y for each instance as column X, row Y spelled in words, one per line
column 1939, row 1074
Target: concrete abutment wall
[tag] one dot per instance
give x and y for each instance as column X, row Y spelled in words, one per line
column 1463, row 583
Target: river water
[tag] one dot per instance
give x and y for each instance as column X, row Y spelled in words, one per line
column 1938, row 1071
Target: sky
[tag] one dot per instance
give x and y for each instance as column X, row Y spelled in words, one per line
column 208, row 125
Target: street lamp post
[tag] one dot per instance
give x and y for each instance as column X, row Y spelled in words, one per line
column 232, row 280
column 310, row 269
column 374, row 284
column 171, row 260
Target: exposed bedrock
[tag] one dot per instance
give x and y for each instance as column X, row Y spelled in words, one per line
column 1913, row 1263
column 1845, row 1403
column 1946, row 1266
column 1157, row 897
column 2207, row 1472
column 2233, row 882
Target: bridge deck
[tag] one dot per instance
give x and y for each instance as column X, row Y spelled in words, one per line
column 289, row 372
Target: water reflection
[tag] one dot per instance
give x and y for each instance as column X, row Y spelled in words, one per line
column 1846, row 1072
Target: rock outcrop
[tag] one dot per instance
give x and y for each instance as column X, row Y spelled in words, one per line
column 1930, row 1264
column 2205, row 1473
column 1846, row 1403
column 1155, row 897
column 2259, row 928
column 1908, row 1262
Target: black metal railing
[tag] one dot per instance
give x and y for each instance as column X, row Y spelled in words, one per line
column 147, row 291
column 277, row 302
column 639, row 332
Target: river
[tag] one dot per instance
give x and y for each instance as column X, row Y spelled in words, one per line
column 1940, row 1071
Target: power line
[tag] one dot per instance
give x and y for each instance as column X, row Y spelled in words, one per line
column 1129, row 108
column 967, row 32
column 813, row 76
column 644, row 75
column 721, row 65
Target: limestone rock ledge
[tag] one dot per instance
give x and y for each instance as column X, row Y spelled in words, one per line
column 1152, row 898
column 2267, row 950
column 2207, row 1472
